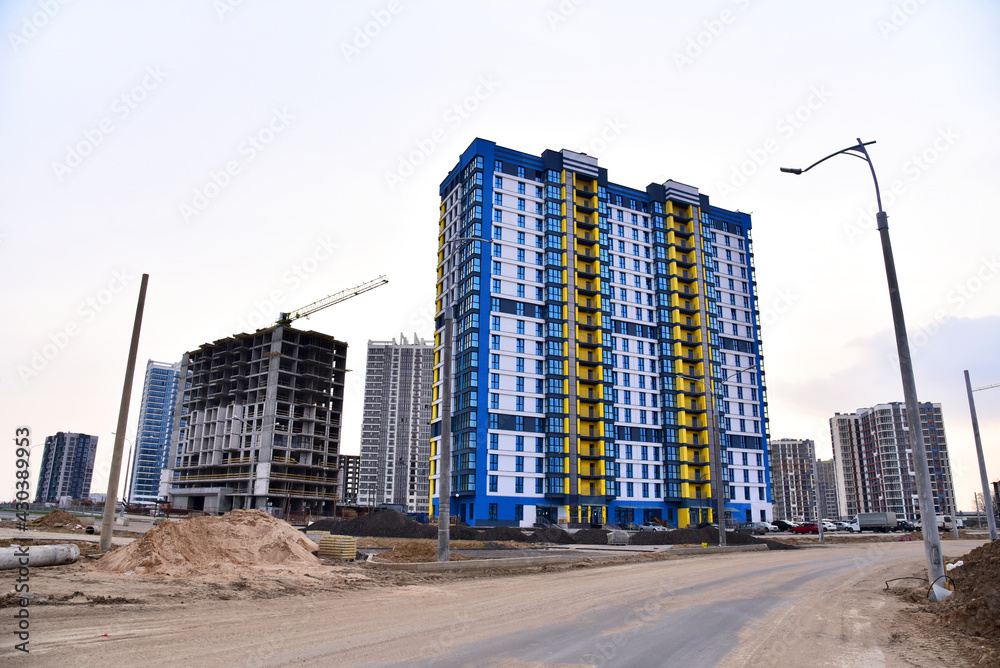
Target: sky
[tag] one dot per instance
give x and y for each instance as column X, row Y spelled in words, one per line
column 255, row 156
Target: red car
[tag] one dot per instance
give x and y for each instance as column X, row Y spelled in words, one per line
column 806, row 528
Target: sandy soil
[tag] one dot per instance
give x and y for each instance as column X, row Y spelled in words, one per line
column 823, row 607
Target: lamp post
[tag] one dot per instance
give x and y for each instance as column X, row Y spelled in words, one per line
column 987, row 499
column 932, row 540
column 444, row 445
column 716, row 456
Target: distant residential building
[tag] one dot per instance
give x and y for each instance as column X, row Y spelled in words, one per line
column 258, row 425
column 792, row 478
column 67, row 467
column 874, row 460
column 347, row 479
column 828, row 506
column 156, row 423
column 396, row 429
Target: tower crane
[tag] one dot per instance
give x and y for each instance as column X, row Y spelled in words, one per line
column 987, row 387
column 336, row 298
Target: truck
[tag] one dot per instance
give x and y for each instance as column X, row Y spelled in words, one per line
column 882, row 522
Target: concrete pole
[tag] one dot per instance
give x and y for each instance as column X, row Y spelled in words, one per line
column 817, row 491
column 444, row 445
column 987, row 499
column 928, row 514
column 108, row 521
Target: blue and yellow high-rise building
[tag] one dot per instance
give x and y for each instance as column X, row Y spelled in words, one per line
column 606, row 345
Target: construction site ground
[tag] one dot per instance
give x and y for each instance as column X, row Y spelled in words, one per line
column 650, row 607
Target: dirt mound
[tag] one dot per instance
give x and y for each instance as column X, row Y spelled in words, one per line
column 975, row 606
column 57, row 518
column 708, row 535
column 415, row 553
column 499, row 534
column 591, row 537
column 380, row 524
column 226, row 545
column 553, row 535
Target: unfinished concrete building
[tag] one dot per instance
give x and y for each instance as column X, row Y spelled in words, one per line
column 259, row 424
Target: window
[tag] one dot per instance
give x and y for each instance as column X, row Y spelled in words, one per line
column 519, row 464
column 493, row 511
column 629, row 489
column 494, row 401
column 497, row 286
column 519, row 486
column 538, row 464
column 498, row 199
column 493, row 482
column 519, row 443
column 519, row 384
column 497, row 182
column 520, row 290
column 494, row 361
column 538, row 484
column 494, row 342
column 519, row 404
column 494, row 442
column 494, row 381
column 520, row 220
column 520, row 365
column 496, row 268
column 645, row 490
column 494, row 462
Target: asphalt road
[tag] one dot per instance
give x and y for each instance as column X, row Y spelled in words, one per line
column 820, row 606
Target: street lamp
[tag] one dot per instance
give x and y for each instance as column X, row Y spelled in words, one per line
column 932, row 541
column 987, row 499
column 128, row 470
column 716, row 456
column 444, row 445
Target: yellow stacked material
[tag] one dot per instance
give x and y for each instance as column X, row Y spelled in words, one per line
column 338, row 547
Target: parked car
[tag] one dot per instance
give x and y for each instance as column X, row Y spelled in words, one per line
column 842, row 526
column 809, row 527
column 770, row 527
column 755, row 528
column 651, row 526
column 829, row 526
column 906, row 525
column 784, row 525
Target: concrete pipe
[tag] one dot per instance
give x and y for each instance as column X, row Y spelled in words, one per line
column 37, row 555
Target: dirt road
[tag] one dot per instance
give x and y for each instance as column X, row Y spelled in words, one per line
column 810, row 607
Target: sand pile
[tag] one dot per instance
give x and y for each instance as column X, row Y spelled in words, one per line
column 57, row 518
column 975, row 606
column 415, row 553
column 226, row 545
